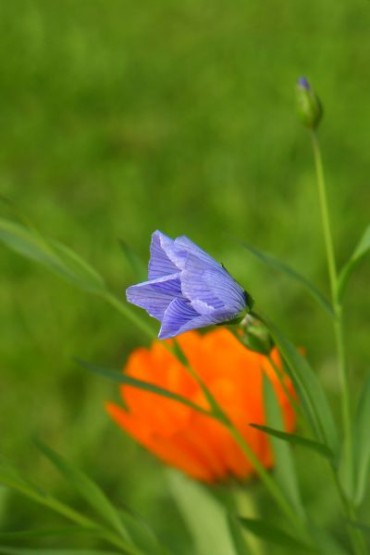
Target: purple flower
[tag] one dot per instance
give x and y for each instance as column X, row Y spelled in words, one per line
column 187, row 288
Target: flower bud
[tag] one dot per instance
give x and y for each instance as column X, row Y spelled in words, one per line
column 308, row 104
column 256, row 336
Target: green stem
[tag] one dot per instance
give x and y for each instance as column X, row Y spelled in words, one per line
column 338, row 323
column 329, row 245
column 355, row 535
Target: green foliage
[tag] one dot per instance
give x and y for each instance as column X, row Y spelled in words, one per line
column 276, row 264
column 55, row 256
column 295, row 439
column 361, row 250
column 121, row 529
column 285, row 472
column 205, row 517
column 120, row 119
column 314, row 400
column 361, row 444
column 273, row 535
column 125, row 379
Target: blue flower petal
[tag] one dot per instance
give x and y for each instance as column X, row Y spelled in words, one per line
column 212, row 285
column 160, row 264
column 180, row 317
column 155, row 295
column 182, row 243
column 225, row 288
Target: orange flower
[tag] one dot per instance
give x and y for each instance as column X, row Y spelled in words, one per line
column 181, row 436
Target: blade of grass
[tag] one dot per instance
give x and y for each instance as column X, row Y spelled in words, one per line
column 272, row 534
column 284, row 468
column 124, row 379
column 205, row 517
column 277, row 264
column 360, row 251
column 87, row 489
column 294, row 439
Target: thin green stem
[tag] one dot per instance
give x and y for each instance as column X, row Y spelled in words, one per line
column 338, row 323
column 356, row 537
column 325, row 219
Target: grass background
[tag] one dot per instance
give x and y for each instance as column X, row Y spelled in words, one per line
column 118, row 118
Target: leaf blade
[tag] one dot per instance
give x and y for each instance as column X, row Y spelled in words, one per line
column 277, row 264
column 284, row 468
column 205, row 517
column 55, row 256
column 125, row 379
column 314, row 401
column 295, row 439
column 360, row 251
column 87, row 489
column 272, row 534
column 361, row 442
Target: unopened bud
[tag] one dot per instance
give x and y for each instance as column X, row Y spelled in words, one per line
column 308, row 104
column 256, row 336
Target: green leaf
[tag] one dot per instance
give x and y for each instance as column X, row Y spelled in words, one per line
column 11, row 478
column 87, row 489
column 362, row 248
column 53, row 255
column 125, row 379
column 294, row 439
column 272, row 534
column 236, row 533
column 142, row 536
column 7, row 550
column 278, row 264
column 205, row 517
column 361, row 443
column 284, row 469
column 314, row 401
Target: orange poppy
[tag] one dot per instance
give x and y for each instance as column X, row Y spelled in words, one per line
column 181, row 436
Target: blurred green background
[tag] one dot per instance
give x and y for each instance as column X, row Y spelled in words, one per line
column 118, row 118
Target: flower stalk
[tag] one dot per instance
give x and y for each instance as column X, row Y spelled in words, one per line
column 337, row 307
column 355, row 535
